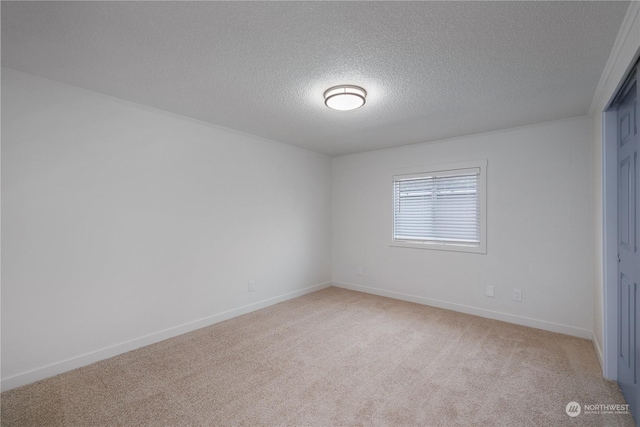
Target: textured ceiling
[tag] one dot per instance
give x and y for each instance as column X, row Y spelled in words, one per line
column 432, row 70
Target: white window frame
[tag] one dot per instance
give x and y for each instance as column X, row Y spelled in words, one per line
column 481, row 247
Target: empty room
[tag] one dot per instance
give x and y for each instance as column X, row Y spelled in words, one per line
column 319, row 213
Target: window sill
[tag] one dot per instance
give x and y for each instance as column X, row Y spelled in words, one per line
column 451, row 247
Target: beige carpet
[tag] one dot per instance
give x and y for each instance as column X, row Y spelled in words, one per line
column 333, row 358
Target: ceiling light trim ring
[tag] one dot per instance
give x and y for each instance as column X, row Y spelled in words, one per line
column 342, row 91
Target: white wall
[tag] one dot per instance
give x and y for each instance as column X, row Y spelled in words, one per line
column 539, row 228
column 622, row 58
column 123, row 225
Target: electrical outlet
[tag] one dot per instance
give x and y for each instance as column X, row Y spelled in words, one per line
column 359, row 271
column 517, row 295
column 252, row 285
column 489, row 291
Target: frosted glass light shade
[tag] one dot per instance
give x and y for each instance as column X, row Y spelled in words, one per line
column 345, row 97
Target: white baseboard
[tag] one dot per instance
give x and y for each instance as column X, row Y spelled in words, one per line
column 599, row 352
column 489, row 314
column 114, row 350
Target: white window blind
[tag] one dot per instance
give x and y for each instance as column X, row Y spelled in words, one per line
column 440, row 207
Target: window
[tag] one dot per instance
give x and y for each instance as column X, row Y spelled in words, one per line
column 441, row 208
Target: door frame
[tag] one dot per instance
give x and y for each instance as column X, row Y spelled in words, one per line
column 610, row 242
column 610, row 231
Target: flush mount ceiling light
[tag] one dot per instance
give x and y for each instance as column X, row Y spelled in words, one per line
column 345, row 97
